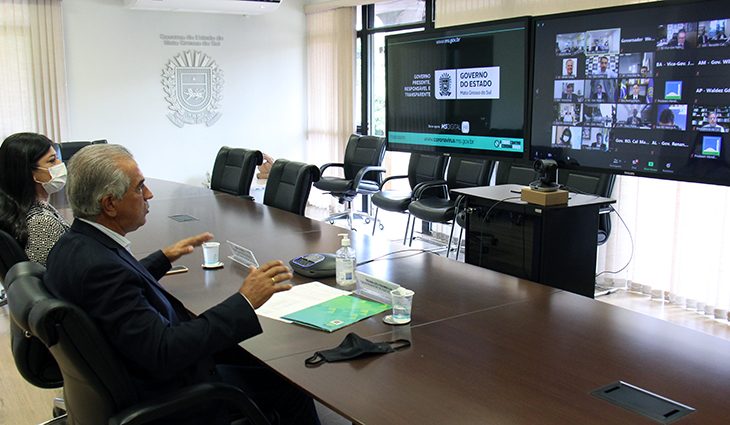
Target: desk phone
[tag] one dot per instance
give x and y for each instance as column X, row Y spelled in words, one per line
column 314, row 265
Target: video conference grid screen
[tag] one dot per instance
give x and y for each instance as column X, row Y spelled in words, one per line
column 642, row 91
column 460, row 90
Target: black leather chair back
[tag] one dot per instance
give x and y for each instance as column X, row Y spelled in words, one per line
column 234, row 169
column 289, row 185
column 10, row 253
column 468, row 172
column 362, row 151
column 591, row 183
column 69, row 149
column 424, row 167
column 95, row 383
column 515, row 172
column 32, row 358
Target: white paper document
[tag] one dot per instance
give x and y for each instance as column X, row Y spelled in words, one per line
column 298, row 298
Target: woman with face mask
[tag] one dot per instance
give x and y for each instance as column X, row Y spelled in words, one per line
column 29, row 172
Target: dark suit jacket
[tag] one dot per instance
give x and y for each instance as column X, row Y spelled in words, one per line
column 162, row 346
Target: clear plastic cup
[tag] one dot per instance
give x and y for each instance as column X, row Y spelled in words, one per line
column 210, row 253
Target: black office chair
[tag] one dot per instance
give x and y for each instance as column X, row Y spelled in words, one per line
column 363, row 175
column 233, row 170
column 289, row 184
column 591, row 184
column 515, row 172
column 433, row 202
column 97, row 388
column 69, row 149
column 32, row 359
column 421, row 168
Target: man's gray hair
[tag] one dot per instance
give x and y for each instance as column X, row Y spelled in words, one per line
column 93, row 173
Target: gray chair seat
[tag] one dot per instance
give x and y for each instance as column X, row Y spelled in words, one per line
column 391, row 200
column 433, row 209
column 337, row 185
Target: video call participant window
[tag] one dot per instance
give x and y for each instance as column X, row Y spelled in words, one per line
column 568, row 113
column 711, row 119
column 567, row 136
column 637, row 65
column 681, row 35
column 713, row 33
column 635, row 116
column 595, row 139
column 569, row 90
column 671, row 117
column 602, row 66
column 636, row 90
column 600, row 90
column 599, row 114
column 570, row 44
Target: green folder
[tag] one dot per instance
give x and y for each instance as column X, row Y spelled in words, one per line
column 337, row 313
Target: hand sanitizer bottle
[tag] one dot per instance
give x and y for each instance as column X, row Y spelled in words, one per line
column 345, row 263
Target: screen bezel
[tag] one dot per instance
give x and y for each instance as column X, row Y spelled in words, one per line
column 567, row 165
column 526, row 21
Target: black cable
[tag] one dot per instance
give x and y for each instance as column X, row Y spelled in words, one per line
column 580, row 192
column 509, row 198
column 418, row 252
column 631, row 257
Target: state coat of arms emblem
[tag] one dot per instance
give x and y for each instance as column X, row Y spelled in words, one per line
column 192, row 83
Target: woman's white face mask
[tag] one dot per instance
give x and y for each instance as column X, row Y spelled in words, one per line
column 58, row 178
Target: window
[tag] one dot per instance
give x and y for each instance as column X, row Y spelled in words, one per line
column 375, row 22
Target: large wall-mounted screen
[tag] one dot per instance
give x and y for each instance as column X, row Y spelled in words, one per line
column 459, row 89
column 639, row 90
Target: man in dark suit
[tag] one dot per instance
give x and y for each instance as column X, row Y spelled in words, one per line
column 568, row 93
column 599, row 94
column 635, row 96
column 161, row 345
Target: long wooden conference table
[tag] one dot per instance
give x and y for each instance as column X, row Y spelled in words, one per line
column 487, row 348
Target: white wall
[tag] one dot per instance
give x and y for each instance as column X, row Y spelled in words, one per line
column 115, row 59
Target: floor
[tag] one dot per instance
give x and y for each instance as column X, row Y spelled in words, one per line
column 21, row 403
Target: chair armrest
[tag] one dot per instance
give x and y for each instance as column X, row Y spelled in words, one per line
column 422, row 188
column 365, row 170
column 387, row 179
column 331, row 164
column 190, row 399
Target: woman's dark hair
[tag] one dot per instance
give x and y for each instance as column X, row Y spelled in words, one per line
column 567, row 132
column 12, row 220
column 19, row 156
column 666, row 117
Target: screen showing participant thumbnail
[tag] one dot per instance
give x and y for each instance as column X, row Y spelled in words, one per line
column 634, row 116
column 569, row 90
column 602, row 66
column 681, row 35
column 713, row 33
column 568, row 113
column 596, row 138
column 603, row 41
column 570, row 44
column 599, row 114
column 569, row 68
column 636, row 90
column 567, row 137
column 671, row 117
column 636, row 64
column 600, row 91
column 711, row 119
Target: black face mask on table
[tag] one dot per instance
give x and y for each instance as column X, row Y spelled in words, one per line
column 353, row 346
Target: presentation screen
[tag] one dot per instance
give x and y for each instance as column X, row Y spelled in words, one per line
column 637, row 90
column 459, row 89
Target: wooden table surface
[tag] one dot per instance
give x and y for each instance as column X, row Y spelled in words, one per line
column 487, row 348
